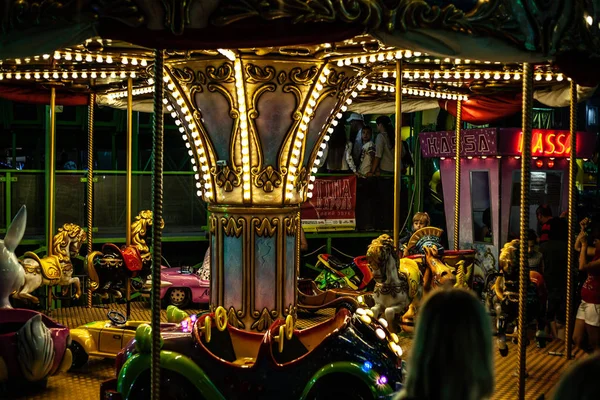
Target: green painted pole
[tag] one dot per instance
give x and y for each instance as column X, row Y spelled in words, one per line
column 8, row 200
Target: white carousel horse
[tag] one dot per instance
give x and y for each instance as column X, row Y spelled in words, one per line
column 56, row 269
column 399, row 283
column 12, row 276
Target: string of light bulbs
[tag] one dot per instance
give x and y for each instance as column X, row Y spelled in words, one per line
column 467, row 74
column 183, row 118
column 420, row 92
column 48, row 74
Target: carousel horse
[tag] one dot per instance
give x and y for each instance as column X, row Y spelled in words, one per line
column 425, row 244
column 12, row 276
column 56, row 269
column 111, row 268
column 503, row 296
column 399, row 282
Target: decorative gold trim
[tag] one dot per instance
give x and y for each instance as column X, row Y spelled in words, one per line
column 263, row 319
column 233, row 319
column 265, row 227
column 232, row 227
column 291, row 225
column 268, row 179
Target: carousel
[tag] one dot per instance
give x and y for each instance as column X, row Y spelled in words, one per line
column 256, row 89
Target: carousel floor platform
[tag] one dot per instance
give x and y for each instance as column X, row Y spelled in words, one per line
column 544, row 369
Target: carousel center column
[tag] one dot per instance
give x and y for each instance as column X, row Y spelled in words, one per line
column 254, row 126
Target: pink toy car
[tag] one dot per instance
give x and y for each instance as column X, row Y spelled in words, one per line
column 32, row 347
column 181, row 286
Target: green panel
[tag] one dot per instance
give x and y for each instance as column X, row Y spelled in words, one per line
column 70, row 200
column 3, row 210
column 29, row 190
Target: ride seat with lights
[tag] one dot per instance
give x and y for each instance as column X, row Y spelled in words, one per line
column 303, row 342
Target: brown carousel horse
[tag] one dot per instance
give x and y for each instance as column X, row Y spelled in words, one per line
column 111, row 268
column 56, row 269
column 425, row 245
column 400, row 282
column 502, row 295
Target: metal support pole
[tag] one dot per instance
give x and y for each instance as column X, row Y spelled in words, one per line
column 157, row 211
column 50, row 182
column 457, row 177
column 128, row 158
column 524, row 222
column 572, row 218
column 398, row 154
column 90, row 189
column 50, row 169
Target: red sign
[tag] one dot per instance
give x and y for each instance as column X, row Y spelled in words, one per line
column 332, row 204
column 547, row 144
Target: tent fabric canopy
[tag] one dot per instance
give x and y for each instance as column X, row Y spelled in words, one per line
column 478, row 109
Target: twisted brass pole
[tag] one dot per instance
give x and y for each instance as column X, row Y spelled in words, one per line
column 398, row 155
column 572, row 218
column 524, row 221
column 128, row 184
column 457, row 177
column 90, row 189
column 157, row 212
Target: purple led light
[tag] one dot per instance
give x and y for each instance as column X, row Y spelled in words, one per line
column 382, row 380
column 194, row 317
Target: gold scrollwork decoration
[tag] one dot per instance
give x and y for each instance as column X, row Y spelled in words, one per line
column 267, row 87
column 291, row 225
column 265, row 227
column 281, row 77
column 222, row 73
column 301, row 179
column 213, row 224
column 233, row 227
column 364, row 12
column 263, row 319
column 268, row 179
column 227, row 178
column 291, row 310
column 232, row 318
column 183, row 75
column 27, row 13
column 303, row 76
column 258, row 74
column 335, row 77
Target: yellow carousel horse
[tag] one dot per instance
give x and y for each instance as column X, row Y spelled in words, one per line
column 110, row 269
column 56, row 269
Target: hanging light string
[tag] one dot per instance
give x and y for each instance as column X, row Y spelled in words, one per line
column 54, row 74
column 416, row 74
column 420, row 92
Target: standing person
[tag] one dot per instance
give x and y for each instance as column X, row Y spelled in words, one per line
column 550, row 227
column 383, row 168
column 365, row 185
column 357, row 123
column 586, row 332
column 451, row 356
column 554, row 248
column 338, row 153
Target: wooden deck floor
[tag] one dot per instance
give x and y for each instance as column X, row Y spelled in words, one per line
column 544, row 370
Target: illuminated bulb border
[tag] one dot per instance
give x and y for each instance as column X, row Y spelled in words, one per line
column 334, row 120
column 84, row 57
column 135, row 92
column 420, row 92
column 475, row 74
column 296, row 153
column 56, row 74
column 243, row 124
column 184, row 120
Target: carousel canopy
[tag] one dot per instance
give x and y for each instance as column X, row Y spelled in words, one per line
column 469, row 49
